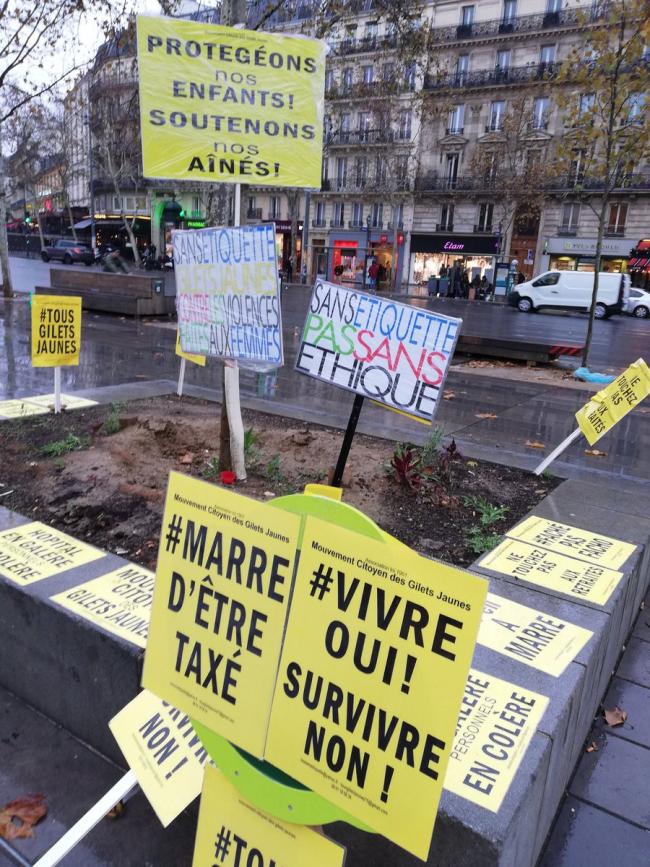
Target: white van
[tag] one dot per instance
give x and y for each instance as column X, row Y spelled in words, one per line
column 572, row 290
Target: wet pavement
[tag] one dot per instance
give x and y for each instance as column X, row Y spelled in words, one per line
column 118, row 350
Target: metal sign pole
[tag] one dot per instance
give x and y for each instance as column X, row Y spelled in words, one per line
column 346, row 445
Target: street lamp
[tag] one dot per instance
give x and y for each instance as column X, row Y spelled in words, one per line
column 365, row 264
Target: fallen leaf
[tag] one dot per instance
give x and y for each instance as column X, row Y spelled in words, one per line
column 533, row 444
column 644, row 411
column 187, row 458
column 449, row 395
column 484, row 415
column 17, row 818
column 593, row 747
column 474, row 464
column 116, row 811
column 595, row 453
column 615, row 716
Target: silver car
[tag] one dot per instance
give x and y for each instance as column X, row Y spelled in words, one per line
column 638, row 304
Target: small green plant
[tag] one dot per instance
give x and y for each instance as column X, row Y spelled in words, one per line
column 404, row 466
column 71, row 443
column 547, row 474
column 211, row 470
column 488, row 513
column 481, row 542
column 252, row 454
column 272, row 472
column 112, row 422
column 429, row 453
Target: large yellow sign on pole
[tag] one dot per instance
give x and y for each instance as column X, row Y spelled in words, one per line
column 373, row 668
column 610, row 404
column 224, row 105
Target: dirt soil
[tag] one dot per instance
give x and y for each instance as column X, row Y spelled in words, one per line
column 110, row 488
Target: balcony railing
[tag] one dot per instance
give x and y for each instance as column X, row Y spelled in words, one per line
column 254, row 214
column 347, row 138
column 444, row 227
column 499, row 76
column 497, row 126
column 519, row 24
column 479, row 228
column 366, row 44
column 615, row 231
column 629, row 181
column 455, row 130
column 390, row 225
column 463, row 183
column 337, row 223
column 567, row 231
column 273, row 216
column 378, row 89
column 319, row 223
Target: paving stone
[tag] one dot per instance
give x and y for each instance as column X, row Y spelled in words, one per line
column 635, row 664
column 608, row 497
column 585, row 836
column 635, row 700
column 642, row 625
column 615, row 777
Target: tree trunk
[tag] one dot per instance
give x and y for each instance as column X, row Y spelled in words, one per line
column 71, row 219
column 7, row 288
column 40, row 228
column 129, row 231
column 594, row 294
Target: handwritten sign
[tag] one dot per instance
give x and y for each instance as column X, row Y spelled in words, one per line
column 390, row 352
column 224, row 105
column 610, row 404
column 56, row 330
column 376, row 654
column 227, row 295
column 222, row 593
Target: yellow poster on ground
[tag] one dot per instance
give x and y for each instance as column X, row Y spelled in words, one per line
column 119, row 602
column 56, row 330
column 68, row 401
column 375, row 660
column 234, row 833
column 163, row 751
column 577, row 579
column 496, row 723
column 529, row 636
column 581, row 544
column 195, row 359
column 219, row 104
column 20, row 408
column 611, row 403
column 222, row 590
column 31, row 552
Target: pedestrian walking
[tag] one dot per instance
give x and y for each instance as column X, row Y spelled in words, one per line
column 373, row 272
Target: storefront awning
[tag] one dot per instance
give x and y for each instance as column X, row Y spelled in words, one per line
column 83, row 224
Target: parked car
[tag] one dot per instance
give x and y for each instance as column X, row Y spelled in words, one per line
column 68, row 251
column 638, row 304
column 572, row 290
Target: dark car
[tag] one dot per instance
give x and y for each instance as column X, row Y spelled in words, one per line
column 68, row 251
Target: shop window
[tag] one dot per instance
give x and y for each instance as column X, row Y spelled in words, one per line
column 570, row 218
column 617, row 218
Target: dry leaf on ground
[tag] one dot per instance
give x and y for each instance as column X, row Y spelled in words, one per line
column 615, row 716
column 533, row 444
column 17, row 818
column 187, row 458
column 593, row 747
column 595, row 453
column 116, row 811
column 449, row 395
column 484, row 415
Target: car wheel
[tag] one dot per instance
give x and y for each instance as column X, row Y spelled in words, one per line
column 641, row 312
column 45, row 257
column 600, row 311
column 67, row 259
column 525, row 305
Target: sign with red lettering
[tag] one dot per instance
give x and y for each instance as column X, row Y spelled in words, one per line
column 393, row 353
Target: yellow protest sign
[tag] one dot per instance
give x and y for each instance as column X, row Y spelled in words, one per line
column 68, row 401
column 577, row 579
column 195, row 359
column 376, row 654
column 18, row 408
column 163, row 751
column 119, row 602
column 581, row 544
column 56, row 330
column 31, row 552
column 222, row 590
column 234, row 833
column 496, row 723
column 529, row 636
column 218, row 104
column 611, row 403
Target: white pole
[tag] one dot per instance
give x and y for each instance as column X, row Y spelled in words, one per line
column 231, row 389
column 557, row 451
column 88, row 821
column 181, row 378
column 57, row 389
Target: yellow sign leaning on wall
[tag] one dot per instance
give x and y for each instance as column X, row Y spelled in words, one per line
column 234, row 833
column 56, row 330
column 610, row 404
column 224, row 105
column 375, row 660
column 220, row 602
column 163, row 751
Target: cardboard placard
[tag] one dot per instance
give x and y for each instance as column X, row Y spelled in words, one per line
column 31, row 552
column 577, row 579
column 222, row 591
column 56, row 330
column 537, row 639
column 227, row 294
column 375, row 347
column 234, row 833
column 226, row 105
column 119, row 602
column 19, row 408
column 68, row 401
column 496, row 723
column 610, row 404
column 375, row 660
column 163, row 751
column 581, row 544
column 188, row 356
